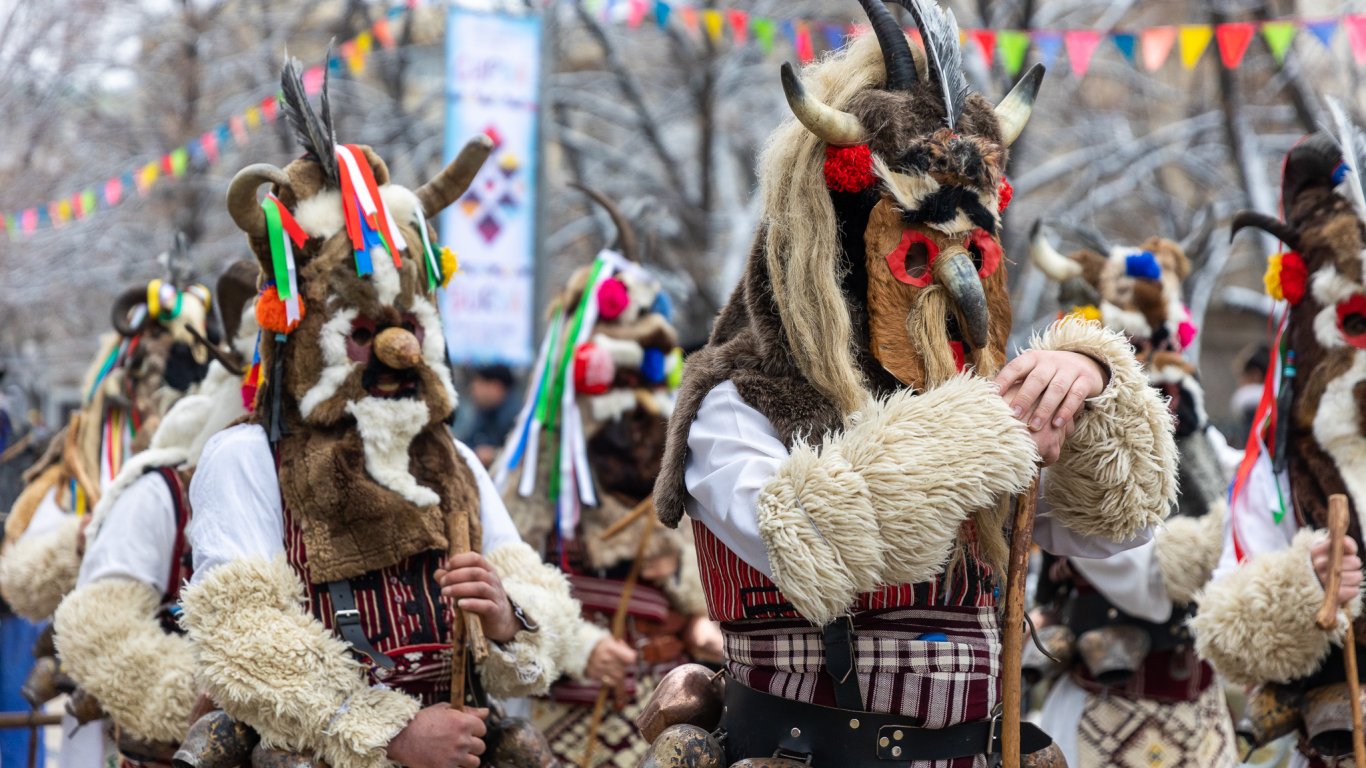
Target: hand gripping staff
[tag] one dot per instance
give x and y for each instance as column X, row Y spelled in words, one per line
column 1012, row 636
column 1328, row 618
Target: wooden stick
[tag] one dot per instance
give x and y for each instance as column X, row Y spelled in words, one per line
column 1012, row 626
column 644, row 507
column 467, row 634
column 28, row 719
column 618, row 632
column 1337, row 529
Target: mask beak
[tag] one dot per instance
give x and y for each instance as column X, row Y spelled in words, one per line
column 955, row 271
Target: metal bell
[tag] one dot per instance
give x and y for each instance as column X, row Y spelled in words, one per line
column 1271, row 712
column 1050, row 756
column 1058, row 641
column 691, row 694
column 216, row 740
column 684, row 746
column 40, row 686
column 261, row 757
column 1112, row 654
column 1328, row 720
column 521, row 745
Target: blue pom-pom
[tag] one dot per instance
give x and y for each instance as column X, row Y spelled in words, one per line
column 663, row 306
column 652, row 367
column 1143, row 266
column 1340, row 173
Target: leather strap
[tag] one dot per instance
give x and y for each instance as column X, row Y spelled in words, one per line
column 346, row 622
column 838, row 638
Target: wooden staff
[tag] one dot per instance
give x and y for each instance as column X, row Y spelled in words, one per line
column 467, row 634
column 643, row 508
column 618, row 631
column 1012, row 640
column 1328, row 618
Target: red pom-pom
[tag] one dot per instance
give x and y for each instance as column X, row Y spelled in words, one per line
column 849, row 169
column 270, row 312
column 1004, row 193
column 612, row 299
column 1294, row 277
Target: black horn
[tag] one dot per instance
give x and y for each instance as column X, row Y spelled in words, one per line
column 1310, row 163
column 123, row 306
column 626, row 234
column 1269, row 224
column 896, row 52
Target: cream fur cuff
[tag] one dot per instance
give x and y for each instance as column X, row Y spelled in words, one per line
column 528, row 664
column 112, row 644
column 574, row 654
column 37, row 571
column 1117, row 473
column 882, row 501
column 270, row 664
column 1187, row 550
column 1256, row 623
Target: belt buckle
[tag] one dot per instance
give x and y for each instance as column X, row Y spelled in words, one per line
column 346, row 616
column 994, row 757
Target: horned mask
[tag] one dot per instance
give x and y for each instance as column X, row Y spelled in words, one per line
column 913, row 164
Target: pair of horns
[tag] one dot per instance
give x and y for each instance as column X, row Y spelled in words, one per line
column 841, row 129
column 123, row 305
column 626, row 234
column 436, row 195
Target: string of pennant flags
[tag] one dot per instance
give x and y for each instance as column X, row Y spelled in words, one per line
column 1149, row 48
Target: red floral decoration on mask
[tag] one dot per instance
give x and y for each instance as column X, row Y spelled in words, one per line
column 1004, row 193
column 1294, row 277
column 849, row 169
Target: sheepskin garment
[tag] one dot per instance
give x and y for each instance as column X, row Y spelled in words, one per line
column 402, row 612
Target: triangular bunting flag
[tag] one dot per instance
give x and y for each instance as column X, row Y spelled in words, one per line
column 1233, row 41
column 763, row 32
column 179, row 158
column 1323, row 30
column 801, row 39
column 712, row 20
column 1081, row 46
column 986, row 43
column 689, row 16
column 1156, row 43
column 113, row 191
column 1127, row 43
column 739, row 25
column 1193, row 42
column 662, row 13
column 88, row 202
column 382, row 32
column 1279, row 35
column 29, row 221
column 78, row 206
column 1048, row 44
column 1356, row 35
column 313, row 80
column 1013, row 46
column 635, row 13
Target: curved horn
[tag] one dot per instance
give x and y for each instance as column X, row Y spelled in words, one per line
column 955, row 271
column 896, row 52
column 626, row 234
column 455, row 178
column 122, row 305
column 1047, row 259
column 243, row 206
column 226, row 359
column 1268, row 224
column 1014, row 110
column 830, row 125
column 1311, row 162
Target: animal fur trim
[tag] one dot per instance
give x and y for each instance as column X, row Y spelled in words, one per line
column 527, row 665
column 878, row 503
column 1117, row 473
column 270, row 664
column 1256, row 623
column 37, row 571
column 1188, row 550
column 111, row 643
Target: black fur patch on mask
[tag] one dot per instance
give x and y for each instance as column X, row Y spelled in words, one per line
column 182, row 371
column 944, row 204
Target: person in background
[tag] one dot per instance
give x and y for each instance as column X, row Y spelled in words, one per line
column 487, row 416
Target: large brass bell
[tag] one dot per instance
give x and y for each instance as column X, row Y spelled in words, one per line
column 1112, row 654
column 1328, row 720
column 684, row 746
column 1272, row 711
column 690, row 694
column 216, row 740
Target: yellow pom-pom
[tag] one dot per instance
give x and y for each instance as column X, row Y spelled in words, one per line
column 1272, row 278
column 1088, row 312
column 449, row 265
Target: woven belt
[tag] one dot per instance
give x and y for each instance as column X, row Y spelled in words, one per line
column 759, row 725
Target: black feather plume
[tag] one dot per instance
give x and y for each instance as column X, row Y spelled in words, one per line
column 313, row 133
column 939, row 30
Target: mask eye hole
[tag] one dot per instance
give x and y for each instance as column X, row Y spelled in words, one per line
column 985, row 252
column 361, row 336
column 910, row 261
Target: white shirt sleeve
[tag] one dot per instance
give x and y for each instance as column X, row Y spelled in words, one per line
column 733, row 451
column 235, row 495
column 1052, row 536
column 137, row 539
column 1130, row 580
column 496, row 524
column 1254, row 512
column 47, row 517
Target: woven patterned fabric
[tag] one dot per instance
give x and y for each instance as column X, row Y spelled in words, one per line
column 1119, row 732
column 619, row 744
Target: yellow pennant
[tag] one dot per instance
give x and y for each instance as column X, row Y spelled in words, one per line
column 1194, row 39
column 713, row 20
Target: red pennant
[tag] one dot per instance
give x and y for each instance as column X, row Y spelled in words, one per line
column 986, row 41
column 802, row 41
column 1356, row 35
column 382, row 33
column 635, row 13
column 739, row 25
column 1081, row 46
column 167, row 165
column 269, row 106
column 1233, row 40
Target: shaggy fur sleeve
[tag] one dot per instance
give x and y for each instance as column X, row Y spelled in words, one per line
column 882, row 501
column 1187, row 551
column 1116, row 475
column 38, row 570
column 526, row 665
column 1256, row 624
column 112, row 644
column 270, row 664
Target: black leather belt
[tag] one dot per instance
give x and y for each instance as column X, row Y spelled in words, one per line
column 759, row 725
column 346, row 622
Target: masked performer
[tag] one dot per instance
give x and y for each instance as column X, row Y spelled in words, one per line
column 1138, row 695
column 322, row 526
column 116, row 632
column 1256, row 621
column 582, row 458
column 847, row 467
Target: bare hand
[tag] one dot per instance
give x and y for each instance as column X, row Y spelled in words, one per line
column 441, row 737
column 1319, row 554
column 1046, row 390
column 704, row 639
column 471, row 582
column 608, row 662
column 660, row 567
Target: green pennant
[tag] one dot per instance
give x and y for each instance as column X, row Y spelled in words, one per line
column 1279, row 35
column 1012, row 46
column 763, row 31
column 88, row 200
column 179, row 159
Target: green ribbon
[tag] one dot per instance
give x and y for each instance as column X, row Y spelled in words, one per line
column 562, row 370
column 275, row 233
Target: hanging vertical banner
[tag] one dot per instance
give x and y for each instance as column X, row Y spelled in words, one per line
column 493, row 65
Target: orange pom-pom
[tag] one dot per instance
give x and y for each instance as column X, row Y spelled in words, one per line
column 270, row 312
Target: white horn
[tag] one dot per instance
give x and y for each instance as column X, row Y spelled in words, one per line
column 1048, row 260
column 1014, row 110
column 836, row 128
